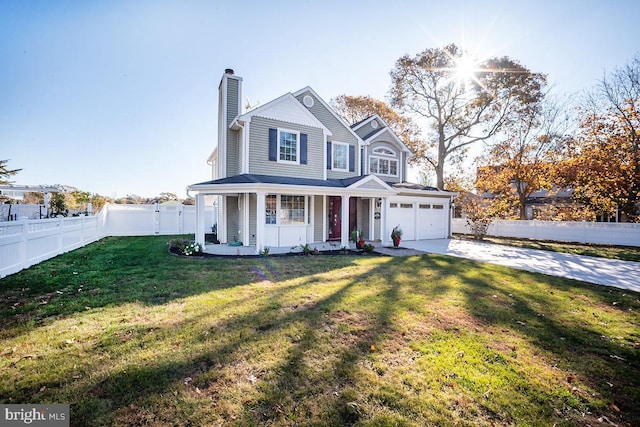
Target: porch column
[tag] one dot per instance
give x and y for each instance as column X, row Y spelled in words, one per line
column 385, row 232
column 261, row 218
column 245, row 220
column 344, row 217
column 372, row 219
column 325, row 216
column 200, row 219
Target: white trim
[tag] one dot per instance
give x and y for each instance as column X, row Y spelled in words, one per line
column 246, row 236
column 368, row 120
column 325, row 216
column 379, row 158
column 260, row 220
column 333, row 165
column 293, row 132
column 386, row 187
column 376, row 151
column 287, row 97
column 370, row 140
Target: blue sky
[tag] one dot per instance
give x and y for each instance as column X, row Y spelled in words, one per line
column 120, row 97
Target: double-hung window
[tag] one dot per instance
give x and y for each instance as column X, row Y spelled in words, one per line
column 340, row 156
column 288, row 146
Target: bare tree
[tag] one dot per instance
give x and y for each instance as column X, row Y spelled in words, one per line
column 460, row 108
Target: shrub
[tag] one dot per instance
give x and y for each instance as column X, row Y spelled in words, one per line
column 185, row 247
column 368, row 248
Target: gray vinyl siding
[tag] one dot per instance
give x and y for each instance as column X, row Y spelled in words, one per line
column 253, row 218
column 363, row 213
column 372, row 185
column 340, row 133
column 259, row 162
column 365, row 130
column 318, row 211
column 233, row 157
column 233, row 218
column 399, row 157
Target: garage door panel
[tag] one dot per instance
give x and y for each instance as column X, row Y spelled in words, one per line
column 431, row 221
column 419, row 218
column 401, row 214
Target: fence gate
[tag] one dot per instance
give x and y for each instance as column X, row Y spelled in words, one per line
column 169, row 219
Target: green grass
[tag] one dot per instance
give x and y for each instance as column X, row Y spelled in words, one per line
column 625, row 253
column 130, row 335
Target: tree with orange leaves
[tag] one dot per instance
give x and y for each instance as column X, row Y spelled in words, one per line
column 605, row 166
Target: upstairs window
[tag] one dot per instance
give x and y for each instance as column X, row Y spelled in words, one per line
column 382, row 166
column 384, row 151
column 383, row 162
column 288, row 146
column 340, row 156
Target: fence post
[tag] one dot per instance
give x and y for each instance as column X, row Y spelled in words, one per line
column 22, row 248
column 60, row 236
column 156, row 219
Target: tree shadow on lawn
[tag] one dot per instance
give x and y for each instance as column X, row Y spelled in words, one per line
column 309, row 349
column 116, row 271
column 597, row 361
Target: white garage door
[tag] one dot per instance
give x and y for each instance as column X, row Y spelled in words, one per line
column 401, row 213
column 419, row 218
column 432, row 220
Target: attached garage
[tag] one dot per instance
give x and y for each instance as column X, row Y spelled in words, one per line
column 420, row 218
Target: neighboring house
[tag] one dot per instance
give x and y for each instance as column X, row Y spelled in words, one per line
column 292, row 172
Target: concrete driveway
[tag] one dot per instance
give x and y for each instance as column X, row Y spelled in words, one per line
column 601, row 271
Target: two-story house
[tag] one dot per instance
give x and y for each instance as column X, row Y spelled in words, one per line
column 292, row 172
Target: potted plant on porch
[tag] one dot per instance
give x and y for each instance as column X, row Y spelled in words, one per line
column 396, row 235
column 356, row 237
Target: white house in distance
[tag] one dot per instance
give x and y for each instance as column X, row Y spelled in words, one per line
column 292, row 172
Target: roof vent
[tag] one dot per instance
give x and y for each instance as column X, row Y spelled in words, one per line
column 307, row 100
column 229, row 71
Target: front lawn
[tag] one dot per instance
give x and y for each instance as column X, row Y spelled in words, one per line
column 130, row 335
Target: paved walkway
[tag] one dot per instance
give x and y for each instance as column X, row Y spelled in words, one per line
column 601, row 271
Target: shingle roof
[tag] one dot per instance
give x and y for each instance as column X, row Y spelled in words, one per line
column 361, row 121
column 283, row 180
column 411, row 186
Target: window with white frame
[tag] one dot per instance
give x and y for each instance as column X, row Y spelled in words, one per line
column 380, row 165
column 339, row 156
column 271, row 206
column 288, row 146
column 285, row 209
column 292, row 209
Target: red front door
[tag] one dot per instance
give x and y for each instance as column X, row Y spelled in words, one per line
column 335, row 216
column 335, row 222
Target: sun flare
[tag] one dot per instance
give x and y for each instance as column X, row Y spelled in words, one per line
column 465, row 69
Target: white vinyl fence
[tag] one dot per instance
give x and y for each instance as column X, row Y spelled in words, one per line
column 27, row 242
column 607, row 233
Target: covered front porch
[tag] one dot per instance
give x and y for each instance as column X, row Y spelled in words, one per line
column 285, row 214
